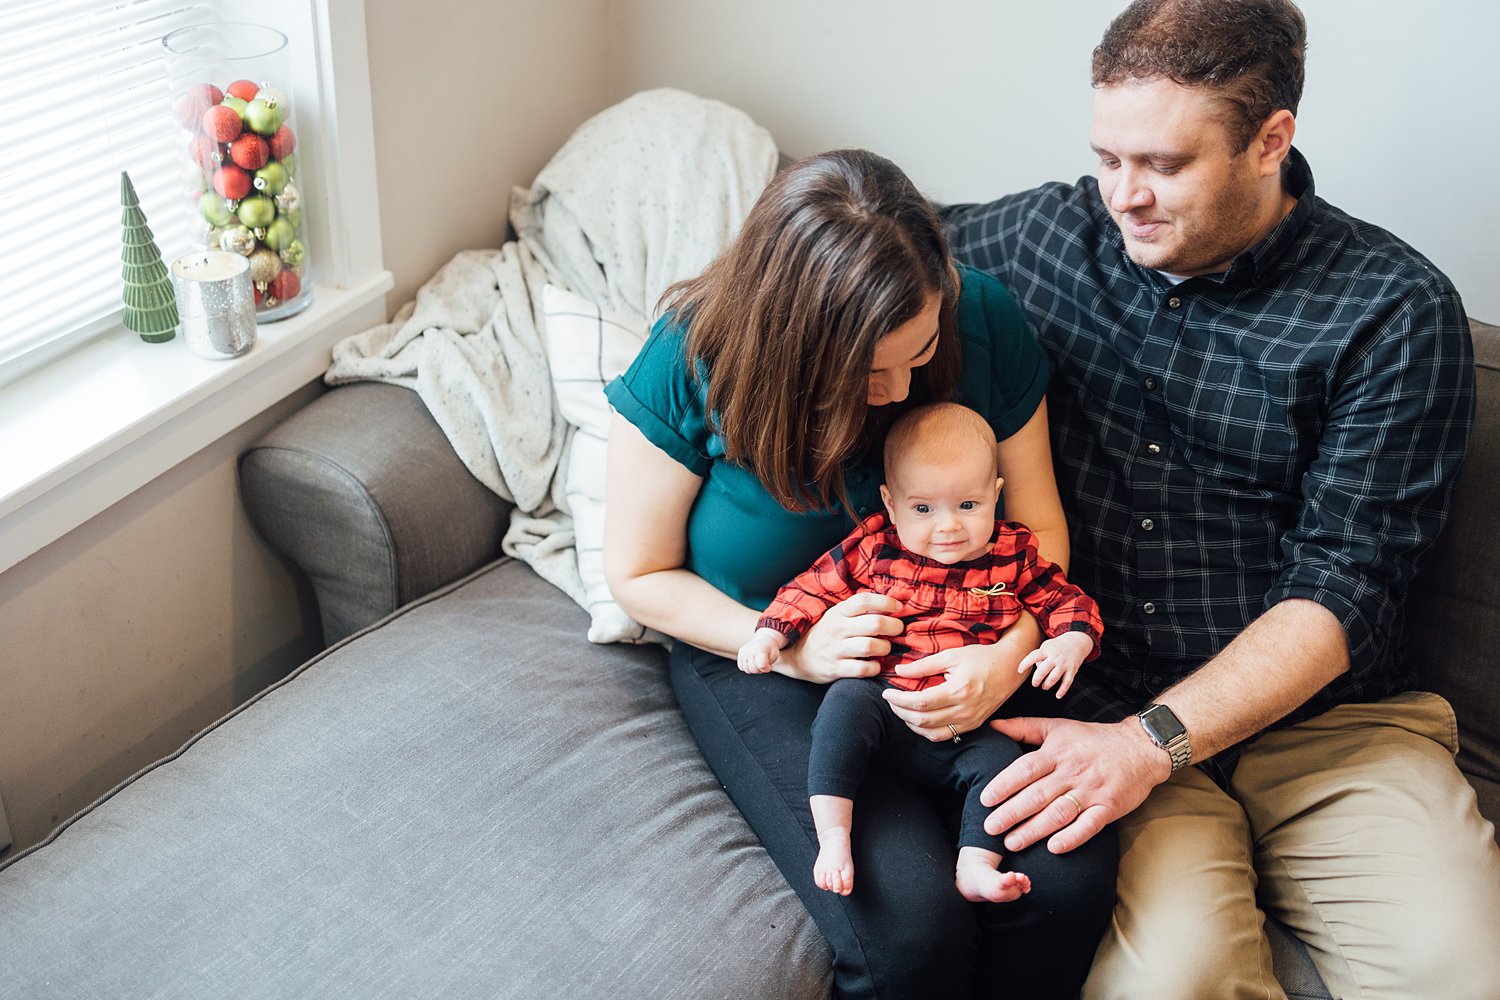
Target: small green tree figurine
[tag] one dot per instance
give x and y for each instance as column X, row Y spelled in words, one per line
column 150, row 303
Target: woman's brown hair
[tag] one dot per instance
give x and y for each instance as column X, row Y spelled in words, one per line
column 839, row 250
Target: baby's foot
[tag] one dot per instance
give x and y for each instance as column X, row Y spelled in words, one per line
column 979, row 880
column 834, row 869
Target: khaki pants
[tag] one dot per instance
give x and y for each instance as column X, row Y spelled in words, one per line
column 1354, row 829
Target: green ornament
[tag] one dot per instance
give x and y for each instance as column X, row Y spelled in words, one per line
column 280, row 234
column 150, row 303
column 263, row 117
column 238, row 105
column 256, row 211
column 271, row 178
column 289, row 161
column 293, row 254
column 213, row 209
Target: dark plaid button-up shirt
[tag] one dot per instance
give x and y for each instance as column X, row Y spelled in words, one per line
column 943, row 606
column 1291, row 428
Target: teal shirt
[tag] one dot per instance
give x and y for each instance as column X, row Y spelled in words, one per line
column 739, row 538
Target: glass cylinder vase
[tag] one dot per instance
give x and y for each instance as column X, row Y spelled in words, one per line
column 230, row 84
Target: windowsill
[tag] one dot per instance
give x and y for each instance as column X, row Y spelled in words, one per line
column 97, row 424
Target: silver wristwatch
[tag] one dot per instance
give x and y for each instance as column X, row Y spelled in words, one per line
column 1167, row 732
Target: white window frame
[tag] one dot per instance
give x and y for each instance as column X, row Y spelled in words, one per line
column 93, row 425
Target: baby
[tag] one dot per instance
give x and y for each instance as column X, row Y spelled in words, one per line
column 962, row 578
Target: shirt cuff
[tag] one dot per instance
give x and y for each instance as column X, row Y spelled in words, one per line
column 656, row 430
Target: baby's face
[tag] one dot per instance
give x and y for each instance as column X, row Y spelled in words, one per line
column 943, row 510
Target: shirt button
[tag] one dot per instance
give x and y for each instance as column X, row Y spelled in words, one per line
column 1149, row 608
column 1147, row 524
column 1149, row 383
column 863, row 511
column 1174, row 302
column 1154, row 448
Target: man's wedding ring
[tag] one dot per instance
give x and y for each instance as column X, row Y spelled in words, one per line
column 1078, row 806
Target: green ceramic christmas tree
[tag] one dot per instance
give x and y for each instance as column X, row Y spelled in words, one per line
column 150, row 304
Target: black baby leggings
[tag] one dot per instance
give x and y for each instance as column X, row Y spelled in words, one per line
column 904, row 933
column 855, row 725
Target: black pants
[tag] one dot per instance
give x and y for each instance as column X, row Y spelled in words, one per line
column 854, row 725
column 904, row 932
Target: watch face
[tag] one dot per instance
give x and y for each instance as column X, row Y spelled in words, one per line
column 1162, row 723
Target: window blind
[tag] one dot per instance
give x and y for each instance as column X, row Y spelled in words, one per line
column 84, row 90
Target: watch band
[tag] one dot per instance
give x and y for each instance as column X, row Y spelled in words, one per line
column 1167, row 732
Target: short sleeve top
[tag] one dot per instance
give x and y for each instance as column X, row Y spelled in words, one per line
column 740, row 539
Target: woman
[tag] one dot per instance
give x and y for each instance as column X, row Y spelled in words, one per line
column 835, row 308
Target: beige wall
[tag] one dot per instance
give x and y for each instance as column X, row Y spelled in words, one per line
column 976, row 98
column 134, row 631
column 471, row 97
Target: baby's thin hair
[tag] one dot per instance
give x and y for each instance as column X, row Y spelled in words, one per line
column 940, row 430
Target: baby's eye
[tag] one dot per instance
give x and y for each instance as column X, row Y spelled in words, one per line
column 922, row 508
column 968, row 505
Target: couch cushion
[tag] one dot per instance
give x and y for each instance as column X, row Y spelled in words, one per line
column 1454, row 618
column 467, row 800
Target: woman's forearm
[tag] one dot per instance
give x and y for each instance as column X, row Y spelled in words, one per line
column 683, row 605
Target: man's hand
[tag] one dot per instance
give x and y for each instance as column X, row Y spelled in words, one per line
column 1082, row 776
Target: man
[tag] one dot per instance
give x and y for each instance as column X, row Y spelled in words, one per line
column 1259, row 408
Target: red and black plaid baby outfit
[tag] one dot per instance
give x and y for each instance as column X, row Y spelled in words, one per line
column 943, row 606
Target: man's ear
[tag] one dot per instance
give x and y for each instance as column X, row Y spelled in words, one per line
column 885, row 498
column 1274, row 142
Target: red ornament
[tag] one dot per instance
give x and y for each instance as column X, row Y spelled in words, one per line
column 231, row 182
column 245, row 90
column 222, row 123
column 283, row 142
column 284, row 286
column 202, row 149
column 197, row 100
column 249, row 151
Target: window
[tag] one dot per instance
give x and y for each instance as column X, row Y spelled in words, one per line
column 85, row 96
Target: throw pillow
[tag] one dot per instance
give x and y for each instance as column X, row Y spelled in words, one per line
column 586, row 348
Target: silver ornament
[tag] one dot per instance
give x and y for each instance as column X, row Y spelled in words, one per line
column 237, row 239
column 289, row 200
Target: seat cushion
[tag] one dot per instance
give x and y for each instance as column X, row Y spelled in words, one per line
column 465, row 800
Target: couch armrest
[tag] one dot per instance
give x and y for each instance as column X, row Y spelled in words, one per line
column 362, row 491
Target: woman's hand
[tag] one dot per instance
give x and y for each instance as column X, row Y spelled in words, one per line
column 979, row 679
column 843, row 641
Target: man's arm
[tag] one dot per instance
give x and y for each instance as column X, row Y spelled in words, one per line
column 1110, row 768
column 1373, row 501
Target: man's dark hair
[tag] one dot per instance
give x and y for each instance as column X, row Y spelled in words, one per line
column 1248, row 53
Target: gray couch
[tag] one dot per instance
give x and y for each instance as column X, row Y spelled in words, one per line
column 462, row 798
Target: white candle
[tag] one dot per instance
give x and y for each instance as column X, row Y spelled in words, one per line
column 215, row 302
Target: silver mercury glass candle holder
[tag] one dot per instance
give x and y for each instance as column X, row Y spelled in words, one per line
column 215, row 303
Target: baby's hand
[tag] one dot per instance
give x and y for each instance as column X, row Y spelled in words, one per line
column 760, row 654
column 1056, row 660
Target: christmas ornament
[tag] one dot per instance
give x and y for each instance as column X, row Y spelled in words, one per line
column 263, row 116
column 280, row 234
column 236, row 239
column 231, row 182
column 256, row 211
column 264, row 265
column 213, row 209
column 249, row 151
column 284, row 286
column 283, row 142
column 221, row 123
column 150, row 303
column 289, row 200
column 293, row 254
column 203, row 151
column 245, row 90
column 271, row 178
